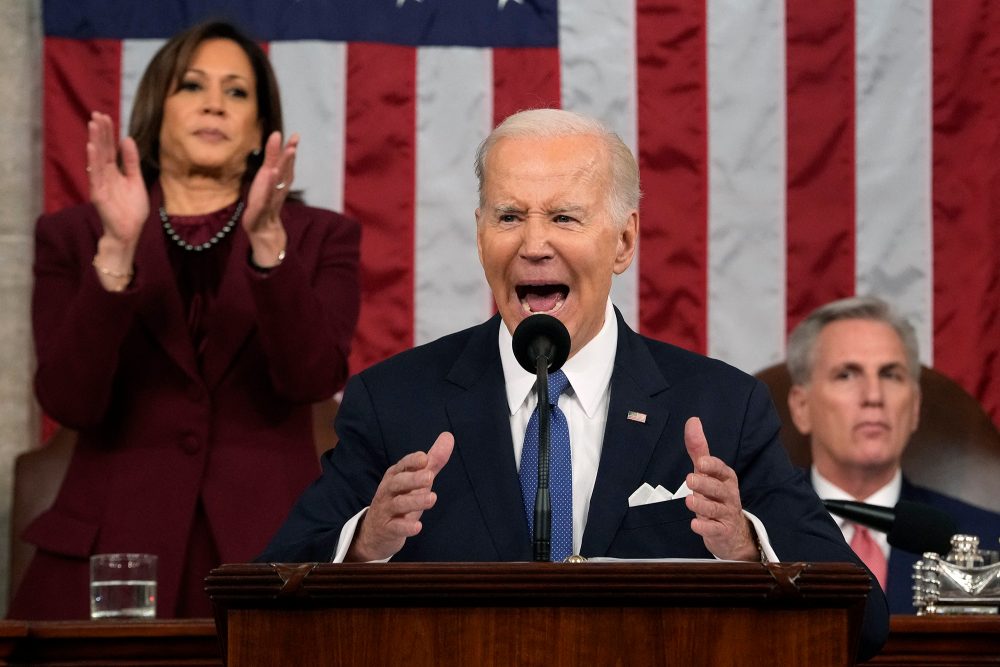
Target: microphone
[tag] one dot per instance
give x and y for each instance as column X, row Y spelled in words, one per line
column 541, row 336
column 541, row 344
column 910, row 526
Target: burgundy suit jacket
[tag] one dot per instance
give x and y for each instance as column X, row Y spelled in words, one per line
column 156, row 432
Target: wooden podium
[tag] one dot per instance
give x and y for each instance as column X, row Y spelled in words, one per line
column 554, row 614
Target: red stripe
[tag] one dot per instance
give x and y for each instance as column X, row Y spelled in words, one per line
column 673, row 161
column 380, row 190
column 821, row 122
column 524, row 79
column 966, row 197
column 79, row 77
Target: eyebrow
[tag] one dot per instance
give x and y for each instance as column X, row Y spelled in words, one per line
column 513, row 209
column 227, row 77
column 855, row 365
column 508, row 209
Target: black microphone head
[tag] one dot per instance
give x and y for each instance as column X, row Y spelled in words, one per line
column 875, row 517
column 541, row 336
column 910, row 526
column 919, row 528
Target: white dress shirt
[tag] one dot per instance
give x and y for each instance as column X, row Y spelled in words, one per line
column 887, row 496
column 585, row 404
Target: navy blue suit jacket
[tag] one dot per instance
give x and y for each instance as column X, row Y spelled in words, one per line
column 456, row 384
column 969, row 520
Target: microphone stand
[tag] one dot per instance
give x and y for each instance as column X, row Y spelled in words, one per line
column 542, row 537
column 542, row 343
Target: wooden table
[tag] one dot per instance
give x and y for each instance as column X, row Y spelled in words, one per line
column 187, row 642
column 916, row 641
column 941, row 641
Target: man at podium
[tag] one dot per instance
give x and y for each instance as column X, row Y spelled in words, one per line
column 656, row 452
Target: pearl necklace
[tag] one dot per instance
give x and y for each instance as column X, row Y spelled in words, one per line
column 219, row 235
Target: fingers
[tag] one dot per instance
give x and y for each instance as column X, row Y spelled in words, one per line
column 277, row 155
column 440, row 452
column 695, row 441
column 284, row 164
column 400, row 500
column 130, row 158
column 100, row 137
column 715, row 499
column 414, row 475
column 416, row 472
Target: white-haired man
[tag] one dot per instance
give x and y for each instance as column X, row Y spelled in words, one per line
column 431, row 440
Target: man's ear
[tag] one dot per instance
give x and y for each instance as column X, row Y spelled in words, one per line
column 798, row 406
column 628, row 236
column 479, row 235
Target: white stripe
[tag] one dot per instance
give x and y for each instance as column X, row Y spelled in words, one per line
column 312, row 77
column 136, row 54
column 454, row 114
column 746, row 197
column 893, row 146
column 598, row 78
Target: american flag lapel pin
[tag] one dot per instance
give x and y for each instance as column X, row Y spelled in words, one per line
column 636, row 416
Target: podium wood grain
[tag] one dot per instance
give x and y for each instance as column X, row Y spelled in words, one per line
column 559, row 615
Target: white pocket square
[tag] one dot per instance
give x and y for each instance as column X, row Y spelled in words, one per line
column 646, row 495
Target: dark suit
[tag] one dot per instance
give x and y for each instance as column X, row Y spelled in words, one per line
column 164, row 429
column 456, row 384
column 969, row 519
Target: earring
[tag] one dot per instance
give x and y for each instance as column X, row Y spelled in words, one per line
column 255, row 152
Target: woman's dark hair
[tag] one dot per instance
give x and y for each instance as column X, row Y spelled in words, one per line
column 163, row 76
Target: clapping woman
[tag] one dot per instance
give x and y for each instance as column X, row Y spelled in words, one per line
column 185, row 320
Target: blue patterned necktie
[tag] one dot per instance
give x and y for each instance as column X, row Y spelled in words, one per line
column 560, row 471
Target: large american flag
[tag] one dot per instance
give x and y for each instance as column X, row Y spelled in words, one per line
column 792, row 151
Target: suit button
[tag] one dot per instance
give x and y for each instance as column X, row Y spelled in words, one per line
column 190, row 444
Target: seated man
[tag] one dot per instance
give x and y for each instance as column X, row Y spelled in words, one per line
column 431, row 440
column 856, row 393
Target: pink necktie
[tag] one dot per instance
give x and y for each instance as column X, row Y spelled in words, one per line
column 869, row 551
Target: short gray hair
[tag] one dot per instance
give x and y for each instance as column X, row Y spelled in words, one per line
column 624, row 192
column 802, row 342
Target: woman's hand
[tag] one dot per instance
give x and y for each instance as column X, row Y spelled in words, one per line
column 120, row 197
column 270, row 187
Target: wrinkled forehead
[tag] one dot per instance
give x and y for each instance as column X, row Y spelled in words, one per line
column 533, row 166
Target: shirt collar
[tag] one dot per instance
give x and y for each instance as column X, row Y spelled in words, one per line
column 887, row 496
column 588, row 371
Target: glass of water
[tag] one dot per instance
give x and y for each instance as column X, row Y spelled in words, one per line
column 123, row 586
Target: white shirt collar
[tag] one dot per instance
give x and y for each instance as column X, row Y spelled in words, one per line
column 588, row 371
column 887, row 496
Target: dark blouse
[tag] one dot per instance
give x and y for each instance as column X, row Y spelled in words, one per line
column 199, row 274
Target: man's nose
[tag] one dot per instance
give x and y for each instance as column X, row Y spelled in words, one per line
column 535, row 239
column 872, row 391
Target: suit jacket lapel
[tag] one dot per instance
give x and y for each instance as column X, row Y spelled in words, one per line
column 161, row 311
column 628, row 444
column 232, row 313
column 481, row 426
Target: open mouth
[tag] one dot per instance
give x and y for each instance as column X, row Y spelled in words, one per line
column 542, row 298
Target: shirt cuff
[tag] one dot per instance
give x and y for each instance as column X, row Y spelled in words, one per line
column 347, row 536
column 765, row 544
column 766, row 552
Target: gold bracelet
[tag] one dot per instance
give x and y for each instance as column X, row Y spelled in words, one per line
column 111, row 274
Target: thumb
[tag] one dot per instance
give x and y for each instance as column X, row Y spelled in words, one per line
column 695, row 441
column 440, row 452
